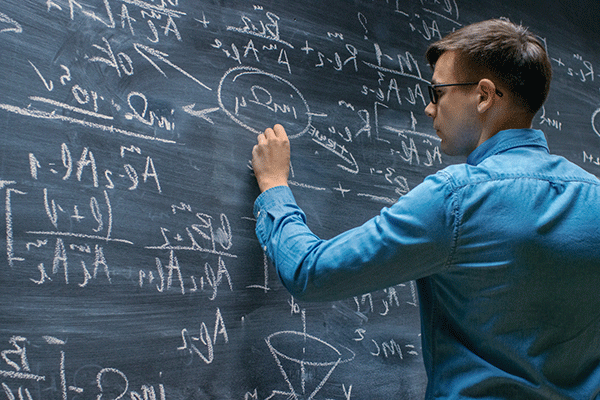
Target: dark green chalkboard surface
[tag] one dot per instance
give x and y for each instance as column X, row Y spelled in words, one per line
column 131, row 269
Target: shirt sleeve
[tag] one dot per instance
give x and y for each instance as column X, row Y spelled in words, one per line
column 409, row 240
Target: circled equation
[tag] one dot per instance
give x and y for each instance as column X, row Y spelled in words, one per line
column 247, row 92
column 596, row 124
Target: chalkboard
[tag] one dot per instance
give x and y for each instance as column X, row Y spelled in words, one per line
column 131, row 268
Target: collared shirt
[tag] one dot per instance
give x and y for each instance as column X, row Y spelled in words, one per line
column 505, row 250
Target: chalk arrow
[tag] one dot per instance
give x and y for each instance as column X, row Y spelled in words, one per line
column 13, row 26
column 200, row 113
column 146, row 51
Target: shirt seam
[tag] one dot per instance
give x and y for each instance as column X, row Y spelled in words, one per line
column 546, row 178
column 456, row 229
column 454, row 188
column 449, row 260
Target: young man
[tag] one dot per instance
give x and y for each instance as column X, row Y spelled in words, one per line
column 505, row 248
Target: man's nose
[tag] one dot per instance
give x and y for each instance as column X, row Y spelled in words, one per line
column 430, row 110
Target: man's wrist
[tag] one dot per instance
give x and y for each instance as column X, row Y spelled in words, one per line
column 268, row 185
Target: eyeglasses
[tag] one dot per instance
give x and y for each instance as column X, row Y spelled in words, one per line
column 434, row 97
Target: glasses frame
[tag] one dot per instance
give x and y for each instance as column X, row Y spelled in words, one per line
column 433, row 96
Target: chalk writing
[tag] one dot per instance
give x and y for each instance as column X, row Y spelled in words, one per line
column 71, row 168
column 596, row 124
column 407, row 65
column 243, row 80
column 16, row 375
column 9, row 25
column 551, row 122
column 268, row 30
column 208, row 341
column 591, row 158
column 309, row 357
column 575, row 67
column 335, row 148
column 386, row 349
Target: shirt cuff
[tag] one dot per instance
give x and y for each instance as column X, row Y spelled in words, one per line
column 272, row 197
column 268, row 205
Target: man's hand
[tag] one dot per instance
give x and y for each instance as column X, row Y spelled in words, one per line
column 271, row 158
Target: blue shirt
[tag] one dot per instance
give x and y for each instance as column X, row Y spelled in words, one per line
column 506, row 253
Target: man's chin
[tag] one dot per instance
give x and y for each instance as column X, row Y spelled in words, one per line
column 444, row 148
column 448, row 151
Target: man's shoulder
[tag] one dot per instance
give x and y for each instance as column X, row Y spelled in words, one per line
column 512, row 165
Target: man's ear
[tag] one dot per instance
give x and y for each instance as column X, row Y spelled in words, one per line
column 487, row 95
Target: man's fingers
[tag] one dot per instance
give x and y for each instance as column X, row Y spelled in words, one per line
column 261, row 138
column 269, row 133
column 279, row 131
column 273, row 135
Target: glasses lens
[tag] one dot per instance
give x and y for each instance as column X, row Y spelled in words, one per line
column 432, row 94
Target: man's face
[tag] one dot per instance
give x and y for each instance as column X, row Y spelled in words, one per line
column 455, row 117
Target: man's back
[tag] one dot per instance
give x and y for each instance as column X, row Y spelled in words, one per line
column 515, row 314
column 504, row 248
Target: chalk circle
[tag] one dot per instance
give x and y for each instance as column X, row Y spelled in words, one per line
column 311, row 350
column 262, row 96
column 594, row 115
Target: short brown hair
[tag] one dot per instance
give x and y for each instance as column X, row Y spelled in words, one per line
column 509, row 52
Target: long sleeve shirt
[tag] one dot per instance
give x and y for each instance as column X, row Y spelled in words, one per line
column 505, row 250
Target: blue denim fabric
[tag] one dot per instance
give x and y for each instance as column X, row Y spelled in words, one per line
column 505, row 250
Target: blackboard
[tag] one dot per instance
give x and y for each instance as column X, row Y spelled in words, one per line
column 131, row 268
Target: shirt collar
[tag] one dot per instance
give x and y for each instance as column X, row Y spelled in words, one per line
column 505, row 140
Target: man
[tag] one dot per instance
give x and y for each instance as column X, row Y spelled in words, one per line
column 504, row 248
